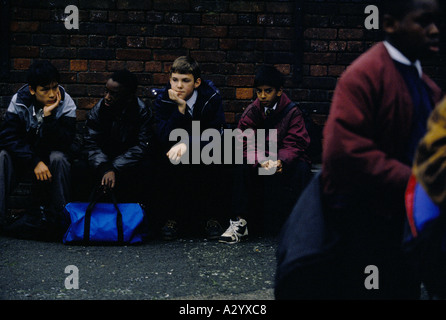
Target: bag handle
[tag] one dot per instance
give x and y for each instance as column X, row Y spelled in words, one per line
column 95, row 196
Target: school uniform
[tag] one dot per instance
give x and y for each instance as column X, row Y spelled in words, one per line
column 377, row 116
column 266, row 200
column 26, row 138
column 193, row 191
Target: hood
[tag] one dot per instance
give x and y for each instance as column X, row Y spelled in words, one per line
column 24, row 97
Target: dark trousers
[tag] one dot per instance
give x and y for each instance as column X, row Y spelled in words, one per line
column 133, row 184
column 367, row 239
column 53, row 195
column 191, row 194
column 266, row 201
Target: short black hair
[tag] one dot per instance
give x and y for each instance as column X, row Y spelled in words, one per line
column 126, row 79
column 400, row 8
column 268, row 76
column 42, row 73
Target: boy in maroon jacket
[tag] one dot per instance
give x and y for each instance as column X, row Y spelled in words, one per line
column 377, row 117
column 290, row 166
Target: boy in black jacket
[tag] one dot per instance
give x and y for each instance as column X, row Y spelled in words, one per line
column 119, row 139
column 35, row 138
column 186, row 102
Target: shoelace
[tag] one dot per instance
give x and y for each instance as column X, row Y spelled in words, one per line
column 233, row 225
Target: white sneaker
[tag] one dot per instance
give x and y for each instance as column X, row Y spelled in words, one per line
column 237, row 231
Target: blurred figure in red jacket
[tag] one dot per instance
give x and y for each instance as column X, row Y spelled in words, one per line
column 378, row 116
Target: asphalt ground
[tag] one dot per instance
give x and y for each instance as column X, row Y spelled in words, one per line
column 184, row 269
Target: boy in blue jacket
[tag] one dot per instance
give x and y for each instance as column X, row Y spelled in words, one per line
column 185, row 101
column 35, row 137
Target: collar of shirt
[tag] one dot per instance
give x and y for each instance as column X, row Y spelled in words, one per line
column 191, row 101
column 274, row 107
column 396, row 55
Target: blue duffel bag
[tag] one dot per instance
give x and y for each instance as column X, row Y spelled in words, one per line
column 104, row 223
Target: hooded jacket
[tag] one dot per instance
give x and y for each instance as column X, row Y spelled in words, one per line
column 208, row 110
column 292, row 136
column 31, row 140
column 115, row 142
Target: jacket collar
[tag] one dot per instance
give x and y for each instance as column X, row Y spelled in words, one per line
column 281, row 104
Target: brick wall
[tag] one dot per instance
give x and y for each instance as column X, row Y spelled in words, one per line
column 311, row 42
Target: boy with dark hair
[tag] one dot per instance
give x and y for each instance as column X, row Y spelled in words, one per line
column 189, row 190
column 119, row 139
column 35, row 137
column 378, row 115
column 274, row 194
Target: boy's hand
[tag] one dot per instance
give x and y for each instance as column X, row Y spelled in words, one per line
column 47, row 110
column 173, row 95
column 42, row 172
column 279, row 166
column 109, row 180
column 270, row 164
column 176, row 152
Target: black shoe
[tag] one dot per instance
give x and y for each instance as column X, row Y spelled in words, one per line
column 27, row 227
column 170, row 230
column 213, row 229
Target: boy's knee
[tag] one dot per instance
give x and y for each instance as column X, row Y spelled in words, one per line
column 58, row 158
column 4, row 154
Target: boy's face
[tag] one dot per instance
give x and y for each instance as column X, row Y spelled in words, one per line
column 115, row 95
column 268, row 95
column 45, row 95
column 184, row 84
column 416, row 34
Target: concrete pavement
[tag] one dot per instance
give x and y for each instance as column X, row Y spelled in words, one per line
column 186, row 269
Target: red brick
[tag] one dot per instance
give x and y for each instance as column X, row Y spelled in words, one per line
column 81, row 115
column 133, row 54
column 230, row 117
column 93, row 77
column 22, row 64
column 98, row 65
column 153, row 66
column 318, row 71
column 154, row 42
column 114, row 65
column 160, row 79
column 78, row 65
column 284, row 68
column 319, row 58
column 240, row 81
column 206, row 56
column 335, row 70
column 209, row 31
column 135, row 42
column 135, row 66
column 246, row 6
column 351, row 34
column 228, row 44
column 24, row 52
column 24, row 26
column 86, row 103
column 166, row 55
column 320, row 33
column 337, row 45
column 244, row 93
column 191, row 43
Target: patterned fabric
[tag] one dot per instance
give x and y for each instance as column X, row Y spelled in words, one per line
column 430, row 159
